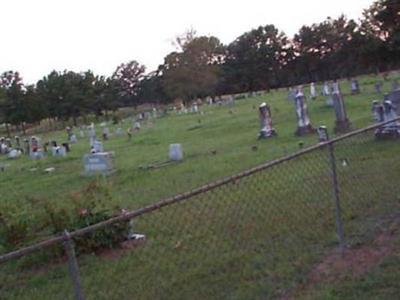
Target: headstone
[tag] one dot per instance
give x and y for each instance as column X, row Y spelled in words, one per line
column 394, row 97
column 386, row 112
column 303, row 121
column 73, row 139
column 106, row 133
column 355, row 87
column 91, row 134
column 175, row 152
column 97, row 147
column 69, row 132
column 118, row 131
column 231, row 101
column 81, row 133
column 322, row 134
column 59, row 151
column 35, row 150
column 265, row 121
column 137, row 126
column 375, row 111
column 342, row 123
column 98, row 163
column 66, row 146
column 336, row 87
column 313, row 91
column 378, row 87
column 291, row 94
column 326, row 90
column 14, row 153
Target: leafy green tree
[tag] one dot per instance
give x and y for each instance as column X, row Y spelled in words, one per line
column 13, row 106
column 126, row 79
column 193, row 70
column 256, row 58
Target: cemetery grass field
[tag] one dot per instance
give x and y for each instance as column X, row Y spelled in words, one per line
column 230, row 263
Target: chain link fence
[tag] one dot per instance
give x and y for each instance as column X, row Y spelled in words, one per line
column 255, row 235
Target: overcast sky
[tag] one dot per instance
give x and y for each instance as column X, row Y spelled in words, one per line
column 38, row 36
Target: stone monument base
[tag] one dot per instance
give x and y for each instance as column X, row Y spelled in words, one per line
column 342, row 126
column 304, row 130
column 265, row 134
column 387, row 133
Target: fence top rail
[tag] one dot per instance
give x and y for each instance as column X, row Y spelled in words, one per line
column 181, row 197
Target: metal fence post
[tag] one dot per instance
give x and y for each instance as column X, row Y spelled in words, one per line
column 339, row 220
column 323, row 137
column 73, row 266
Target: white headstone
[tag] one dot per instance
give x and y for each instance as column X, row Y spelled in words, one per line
column 97, row 146
column 98, row 163
column 175, row 152
column 73, row 139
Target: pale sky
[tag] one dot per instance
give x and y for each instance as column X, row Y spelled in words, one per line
column 38, row 36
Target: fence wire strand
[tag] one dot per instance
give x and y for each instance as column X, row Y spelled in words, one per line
column 247, row 237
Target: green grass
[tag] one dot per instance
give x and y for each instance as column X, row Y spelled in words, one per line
column 251, row 239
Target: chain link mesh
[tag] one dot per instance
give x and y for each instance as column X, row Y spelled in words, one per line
column 253, row 237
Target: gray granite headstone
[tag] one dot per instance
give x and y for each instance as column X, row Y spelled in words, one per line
column 303, row 121
column 394, row 97
column 386, row 112
column 355, row 87
column 98, row 163
column 266, row 129
column 59, row 151
column 378, row 87
column 313, row 91
column 291, row 94
column 326, row 90
column 375, row 111
column 98, row 146
column 342, row 123
column 175, row 152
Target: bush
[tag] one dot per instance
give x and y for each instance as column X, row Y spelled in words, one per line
column 43, row 217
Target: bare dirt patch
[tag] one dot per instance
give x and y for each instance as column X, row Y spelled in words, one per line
column 354, row 262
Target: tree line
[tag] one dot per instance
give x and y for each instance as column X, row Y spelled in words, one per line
column 260, row 59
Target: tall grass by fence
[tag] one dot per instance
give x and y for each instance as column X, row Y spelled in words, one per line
column 254, row 235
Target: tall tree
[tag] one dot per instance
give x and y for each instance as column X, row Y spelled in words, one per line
column 127, row 78
column 193, row 70
column 255, row 59
column 13, row 105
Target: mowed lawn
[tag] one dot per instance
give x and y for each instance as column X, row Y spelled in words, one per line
column 255, row 238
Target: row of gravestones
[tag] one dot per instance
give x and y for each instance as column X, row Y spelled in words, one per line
column 382, row 112
column 327, row 89
column 101, row 162
column 31, row 147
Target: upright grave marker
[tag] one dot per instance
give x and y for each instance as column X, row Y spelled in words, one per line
column 355, row 87
column 378, row 87
column 175, row 152
column 342, row 123
column 313, row 91
column 386, row 112
column 98, row 163
column 303, row 121
column 265, row 121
